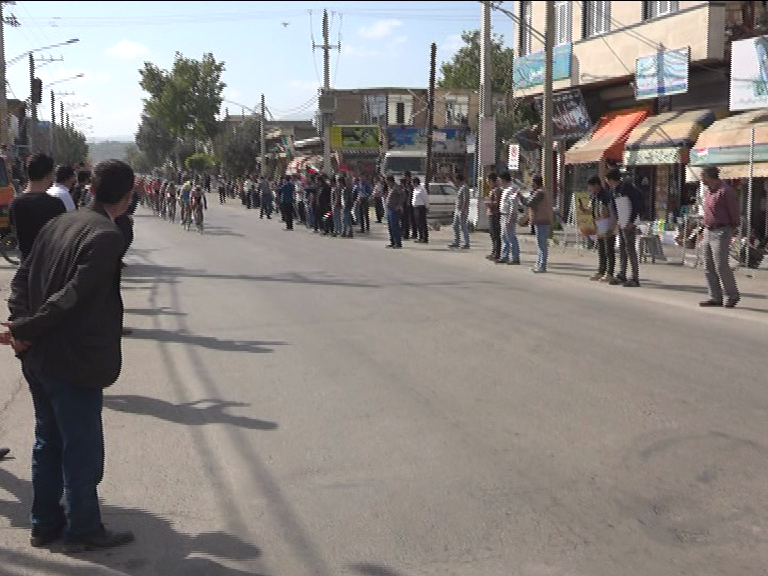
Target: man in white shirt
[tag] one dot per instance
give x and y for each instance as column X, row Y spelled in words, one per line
column 65, row 180
column 420, row 201
column 509, row 208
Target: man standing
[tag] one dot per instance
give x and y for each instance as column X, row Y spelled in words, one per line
column 287, row 191
column 65, row 180
column 628, row 204
column 406, row 215
column 721, row 219
column 605, row 223
column 460, row 212
column 30, row 211
column 508, row 210
column 66, row 315
column 540, row 215
column 420, row 208
column 363, row 201
column 265, row 193
column 494, row 216
column 394, row 203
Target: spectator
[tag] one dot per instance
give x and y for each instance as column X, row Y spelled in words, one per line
column 65, row 181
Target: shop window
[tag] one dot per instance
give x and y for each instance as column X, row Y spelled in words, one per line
column 597, row 18
column 375, row 109
column 400, row 109
column 563, row 22
column 526, row 34
column 656, row 9
column 456, row 110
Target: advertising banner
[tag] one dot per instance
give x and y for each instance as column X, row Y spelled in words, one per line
column 355, row 138
column 444, row 140
column 529, row 70
column 662, row 74
column 513, row 162
column 570, row 118
column 749, row 73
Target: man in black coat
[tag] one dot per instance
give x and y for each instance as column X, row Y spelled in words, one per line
column 66, row 317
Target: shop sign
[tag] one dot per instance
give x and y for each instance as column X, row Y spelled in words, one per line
column 662, row 74
column 355, row 138
column 529, row 70
column 444, row 140
column 513, row 162
column 749, row 73
column 570, row 118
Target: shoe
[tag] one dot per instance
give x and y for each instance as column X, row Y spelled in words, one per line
column 537, row 270
column 127, row 331
column 731, row 302
column 4, row 452
column 43, row 536
column 596, row 277
column 501, row 261
column 453, row 245
column 514, row 262
column 710, row 303
column 491, row 257
column 389, row 246
column 465, row 247
column 101, row 540
column 607, row 278
column 617, row 280
column 631, row 284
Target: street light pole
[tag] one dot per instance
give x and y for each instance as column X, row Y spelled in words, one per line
column 547, row 153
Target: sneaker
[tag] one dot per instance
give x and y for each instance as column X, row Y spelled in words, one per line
column 710, row 303
column 617, row 280
column 537, row 270
column 632, row 284
column 514, row 262
column 465, row 247
column 607, row 278
column 595, row 277
column 101, row 540
column 501, row 261
column 454, row 245
column 41, row 536
column 731, row 302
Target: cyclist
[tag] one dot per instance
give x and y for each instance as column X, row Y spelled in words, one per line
column 199, row 203
column 185, row 198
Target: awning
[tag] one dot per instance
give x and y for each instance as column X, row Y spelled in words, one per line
column 732, row 171
column 727, row 141
column 666, row 138
column 607, row 141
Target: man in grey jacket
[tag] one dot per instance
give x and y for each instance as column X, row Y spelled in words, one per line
column 460, row 213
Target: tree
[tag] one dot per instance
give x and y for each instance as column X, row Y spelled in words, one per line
column 238, row 148
column 463, row 72
column 154, row 140
column 199, row 162
column 71, row 146
column 138, row 160
column 186, row 99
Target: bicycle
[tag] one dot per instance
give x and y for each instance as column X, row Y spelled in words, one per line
column 9, row 246
column 198, row 216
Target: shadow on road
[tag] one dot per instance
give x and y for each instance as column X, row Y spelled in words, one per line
column 197, row 413
column 367, row 569
column 181, row 337
column 159, row 547
column 153, row 311
column 219, row 231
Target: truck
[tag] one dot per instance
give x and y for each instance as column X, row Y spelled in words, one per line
column 397, row 162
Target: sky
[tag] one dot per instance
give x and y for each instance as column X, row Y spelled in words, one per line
column 266, row 48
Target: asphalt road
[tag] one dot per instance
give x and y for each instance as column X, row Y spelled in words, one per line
column 296, row 405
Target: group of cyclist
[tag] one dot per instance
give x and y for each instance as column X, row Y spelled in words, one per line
column 165, row 197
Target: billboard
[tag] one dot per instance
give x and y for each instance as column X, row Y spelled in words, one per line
column 444, row 140
column 529, row 70
column 360, row 138
column 749, row 73
column 662, row 74
column 570, row 118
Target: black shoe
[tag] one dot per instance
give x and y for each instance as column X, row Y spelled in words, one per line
column 632, row 284
column 617, row 280
column 127, row 331
column 454, row 245
column 42, row 536
column 4, row 452
column 710, row 303
column 99, row 541
column 731, row 303
column 465, row 247
column 390, row 246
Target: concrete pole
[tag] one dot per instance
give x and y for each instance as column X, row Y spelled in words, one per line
column 33, row 107
column 486, row 111
column 53, row 125
column 3, row 97
column 547, row 154
column 431, row 116
column 326, row 91
column 263, row 139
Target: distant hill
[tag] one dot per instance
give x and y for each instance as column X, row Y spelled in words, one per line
column 108, row 149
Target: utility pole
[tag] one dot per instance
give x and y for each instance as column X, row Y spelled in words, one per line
column 431, row 115
column 327, row 103
column 3, row 97
column 53, row 125
column 547, row 153
column 33, row 105
column 486, row 149
column 263, row 138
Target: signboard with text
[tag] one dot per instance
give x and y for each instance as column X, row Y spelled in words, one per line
column 444, row 140
column 570, row 118
column 662, row 74
column 749, row 74
column 360, row 138
column 529, row 70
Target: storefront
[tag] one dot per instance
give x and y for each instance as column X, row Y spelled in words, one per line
column 730, row 144
column 662, row 144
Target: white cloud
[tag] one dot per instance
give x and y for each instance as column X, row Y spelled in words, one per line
column 396, row 46
column 451, row 44
column 357, row 51
column 380, row 29
column 127, row 50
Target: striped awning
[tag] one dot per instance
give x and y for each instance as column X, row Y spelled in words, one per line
column 728, row 141
column 608, row 139
column 666, row 138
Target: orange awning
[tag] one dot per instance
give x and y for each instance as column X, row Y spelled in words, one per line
column 607, row 141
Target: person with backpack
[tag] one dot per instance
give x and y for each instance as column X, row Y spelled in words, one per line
column 627, row 205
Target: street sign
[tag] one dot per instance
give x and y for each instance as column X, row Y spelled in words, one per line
column 513, row 163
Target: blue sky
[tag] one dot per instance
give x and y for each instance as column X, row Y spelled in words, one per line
column 383, row 44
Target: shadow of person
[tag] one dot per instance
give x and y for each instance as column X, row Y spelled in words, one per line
column 197, row 413
column 368, row 569
column 158, row 549
column 210, row 342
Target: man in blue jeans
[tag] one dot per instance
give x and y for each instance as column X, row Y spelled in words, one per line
column 540, row 214
column 394, row 205
column 65, row 325
column 460, row 213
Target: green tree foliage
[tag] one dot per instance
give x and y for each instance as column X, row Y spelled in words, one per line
column 238, row 148
column 463, row 71
column 185, row 99
column 138, row 160
column 199, row 162
column 71, row 146
column 154, row 140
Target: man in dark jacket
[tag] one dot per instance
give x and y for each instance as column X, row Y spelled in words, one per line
column 627, row 205
column 65, row 324
column 601, row 204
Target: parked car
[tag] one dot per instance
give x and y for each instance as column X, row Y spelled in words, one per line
column 442, row 199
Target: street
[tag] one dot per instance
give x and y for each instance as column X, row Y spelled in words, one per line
column 296, row 405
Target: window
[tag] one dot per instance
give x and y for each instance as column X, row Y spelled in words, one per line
column 375, row 109
column 656, row 9
column 597, row 18
column 400, row 109
column 526, row 17
column 456, row 110
column 563, row 22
